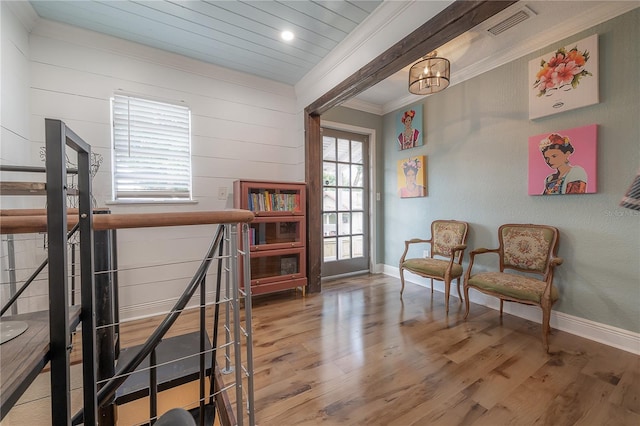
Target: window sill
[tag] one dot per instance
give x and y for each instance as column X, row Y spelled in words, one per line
column 140, row 201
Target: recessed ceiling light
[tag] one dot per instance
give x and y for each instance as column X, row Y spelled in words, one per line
column 287, row 35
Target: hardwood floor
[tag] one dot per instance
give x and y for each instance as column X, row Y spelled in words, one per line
column 357, row 354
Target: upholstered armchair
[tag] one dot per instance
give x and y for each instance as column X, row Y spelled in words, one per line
column 523, row 248
column 447, row 243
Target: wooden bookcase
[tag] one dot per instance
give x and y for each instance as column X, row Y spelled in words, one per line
column 277, row 235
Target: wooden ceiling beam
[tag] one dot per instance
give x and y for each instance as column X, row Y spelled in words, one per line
column 458, row 18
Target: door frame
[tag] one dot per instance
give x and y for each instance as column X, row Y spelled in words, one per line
column 456, row 19
column 371, row 134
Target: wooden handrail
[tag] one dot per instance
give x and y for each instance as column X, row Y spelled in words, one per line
column 14, row 224
column 33, row 212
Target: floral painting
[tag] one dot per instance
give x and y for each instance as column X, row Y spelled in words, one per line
column 563, row 162
column 409, row 128
column 412, row 177
column 564, row 79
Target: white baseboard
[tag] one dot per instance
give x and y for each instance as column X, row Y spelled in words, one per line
column 612, row 336
column 601, row 333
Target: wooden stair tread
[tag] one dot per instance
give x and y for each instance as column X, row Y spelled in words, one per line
column 24, row 357
column 170, row 375
column 28, row 188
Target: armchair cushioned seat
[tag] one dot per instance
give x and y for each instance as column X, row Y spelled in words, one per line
column 529, row 250
column 432, row 267
column 512, row 285
column 448, row 242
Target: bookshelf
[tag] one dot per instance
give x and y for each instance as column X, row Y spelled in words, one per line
column 277, row 235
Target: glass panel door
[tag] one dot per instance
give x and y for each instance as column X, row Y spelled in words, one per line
column 345, row 203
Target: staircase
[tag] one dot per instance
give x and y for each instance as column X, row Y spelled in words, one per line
column 119, row 384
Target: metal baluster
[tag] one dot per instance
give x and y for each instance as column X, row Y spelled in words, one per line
column 12, row 270
column 248, row 323
column 153, row 386
column 233, row 243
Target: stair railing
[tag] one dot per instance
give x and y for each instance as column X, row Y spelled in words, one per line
column 108, row 389
column 56, row 224
column 16, row 293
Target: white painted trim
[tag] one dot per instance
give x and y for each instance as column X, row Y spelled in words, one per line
column 24, row 12
column 625, row 340
column 361, row 105
column 371, row 133
column 387, row 24
column 594, row 16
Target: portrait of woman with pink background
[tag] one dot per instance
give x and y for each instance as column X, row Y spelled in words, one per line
column 563, row 162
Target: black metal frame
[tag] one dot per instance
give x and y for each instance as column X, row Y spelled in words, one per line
column 98, row 281
column 58, row 137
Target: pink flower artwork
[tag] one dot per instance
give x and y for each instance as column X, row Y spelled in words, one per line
column 564, row 79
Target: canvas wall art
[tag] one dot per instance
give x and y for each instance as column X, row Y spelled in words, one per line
column 412, row 177
column 564, row 79
column 563, row 162
column 409, row 128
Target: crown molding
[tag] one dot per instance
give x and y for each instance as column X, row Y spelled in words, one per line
column 24, row 12
column 543, row 40
column 389, row 22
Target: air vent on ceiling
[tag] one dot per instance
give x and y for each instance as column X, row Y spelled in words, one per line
column 513, row 20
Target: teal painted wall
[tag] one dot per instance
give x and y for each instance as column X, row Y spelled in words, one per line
column 476, row 143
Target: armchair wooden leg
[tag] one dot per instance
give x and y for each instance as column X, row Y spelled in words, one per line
column 501, row 306
column 546, row 317
column 431, row 285
column 447, row 290
column 466, row 302
column 459, row 294
column 402, row 281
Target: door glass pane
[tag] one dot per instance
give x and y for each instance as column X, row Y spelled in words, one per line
column 343, row 150
column 357, row 223
column 356, row 152
column 358, row 246
column 345, row 214
column 356, row 176
column 329, row 249
column 356, row 199
column 329, row 199
column 343, row 199
column 344, row 173
column 344, row 223
column 329, row 148
column 329, row 223
column 344, row 247
column 329, row 174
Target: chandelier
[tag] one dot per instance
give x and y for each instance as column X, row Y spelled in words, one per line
column 429, row 75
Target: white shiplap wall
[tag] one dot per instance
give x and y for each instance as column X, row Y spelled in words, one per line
column 242, row 127
column 14, row 86
column 14, row 150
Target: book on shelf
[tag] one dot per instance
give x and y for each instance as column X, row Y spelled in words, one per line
column 267, row 201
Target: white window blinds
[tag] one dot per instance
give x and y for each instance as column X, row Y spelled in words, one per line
column 151, row 150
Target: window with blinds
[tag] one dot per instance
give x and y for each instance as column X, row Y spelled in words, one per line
column 151, row 150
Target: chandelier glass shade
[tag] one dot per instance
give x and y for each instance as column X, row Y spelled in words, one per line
column 429, row 75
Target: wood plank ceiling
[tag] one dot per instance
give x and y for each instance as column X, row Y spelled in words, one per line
column 239, row 35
